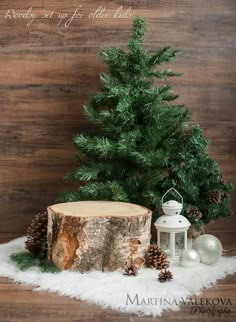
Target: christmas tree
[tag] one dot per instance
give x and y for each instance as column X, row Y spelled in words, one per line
column 143, row 144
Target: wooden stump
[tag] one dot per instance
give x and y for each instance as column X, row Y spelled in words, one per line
column 100, row 235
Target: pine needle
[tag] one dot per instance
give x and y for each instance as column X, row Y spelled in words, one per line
column 25, row 260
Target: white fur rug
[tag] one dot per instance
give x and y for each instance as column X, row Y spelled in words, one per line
column 142, row 294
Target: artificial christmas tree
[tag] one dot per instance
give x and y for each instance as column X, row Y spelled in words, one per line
column 143, row 144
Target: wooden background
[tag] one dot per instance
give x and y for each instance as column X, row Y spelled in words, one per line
column 48, row 72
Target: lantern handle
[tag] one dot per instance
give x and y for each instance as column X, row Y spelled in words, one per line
column 168, row 192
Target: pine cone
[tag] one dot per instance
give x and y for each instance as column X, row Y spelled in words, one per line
column 214, row 196
column 183, row 164
column 222, row 181
column 130, row 270
column 226, row 195
column 165, row 276
column 230, row 212
column 36, row 242
column 156, row 257
column 194, row 212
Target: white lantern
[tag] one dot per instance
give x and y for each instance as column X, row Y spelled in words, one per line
column 172, row 227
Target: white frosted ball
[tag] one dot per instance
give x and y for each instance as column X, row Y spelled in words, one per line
column 209, row 248
column 189, row 258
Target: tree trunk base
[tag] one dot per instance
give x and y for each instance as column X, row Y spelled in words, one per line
column 99, row 235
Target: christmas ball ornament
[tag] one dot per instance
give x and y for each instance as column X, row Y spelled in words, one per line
column 189, row 258
column 209, row 248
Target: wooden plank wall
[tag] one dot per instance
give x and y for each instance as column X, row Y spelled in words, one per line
column 48, row 72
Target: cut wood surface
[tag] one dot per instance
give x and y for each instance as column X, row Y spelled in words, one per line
column 101, row 235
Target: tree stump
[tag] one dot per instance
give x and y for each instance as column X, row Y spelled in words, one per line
column 100, row 235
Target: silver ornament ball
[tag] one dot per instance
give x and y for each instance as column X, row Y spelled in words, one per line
column 189, row 258
column 209, row 248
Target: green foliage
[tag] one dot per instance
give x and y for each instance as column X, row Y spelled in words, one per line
column 26, row 260
column 143, row 144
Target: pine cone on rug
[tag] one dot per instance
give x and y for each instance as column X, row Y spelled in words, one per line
column 156, row 257
column 130, row 270
column 165, row 276
column 36, row 242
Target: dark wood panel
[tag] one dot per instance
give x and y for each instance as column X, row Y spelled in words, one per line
column 20, row 203
column 6, row 237
column 208, row 66
column 31, row 141
column 180, row 22
column 47, row 73
column 215, row 102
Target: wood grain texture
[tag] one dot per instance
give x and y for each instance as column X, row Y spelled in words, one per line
column 47, row 73
column 98, row 235
column 18, row 303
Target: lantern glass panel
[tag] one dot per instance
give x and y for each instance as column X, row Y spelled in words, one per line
column 179, row 243
column 165, row 242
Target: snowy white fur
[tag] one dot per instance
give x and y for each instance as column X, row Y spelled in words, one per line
column 110, row 289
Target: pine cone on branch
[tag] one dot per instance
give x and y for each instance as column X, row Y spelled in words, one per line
column 194, row 212
column 165, row 276
column 226, row 195
column 214, row 196
column 156, row 257
column 130, row 270
column 36, row 242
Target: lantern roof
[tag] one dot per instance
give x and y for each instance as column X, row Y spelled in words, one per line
column 172, row 222
column 172, row 204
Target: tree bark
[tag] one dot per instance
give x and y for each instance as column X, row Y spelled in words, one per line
column 100, row 235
